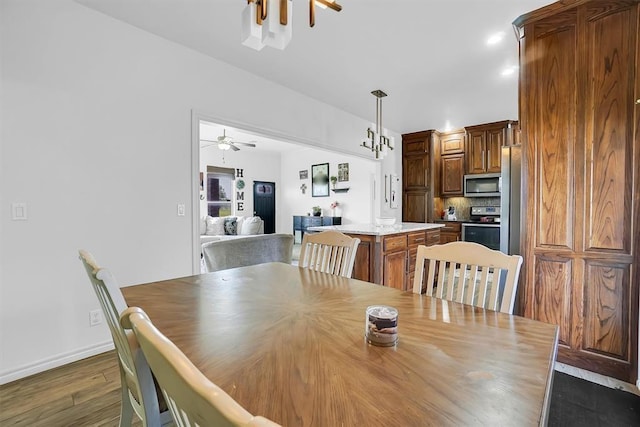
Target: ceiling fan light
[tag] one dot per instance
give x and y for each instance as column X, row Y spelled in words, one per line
column 224, row 146
column 252, row 34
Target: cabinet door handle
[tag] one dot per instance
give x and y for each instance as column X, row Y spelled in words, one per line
column 385, row 189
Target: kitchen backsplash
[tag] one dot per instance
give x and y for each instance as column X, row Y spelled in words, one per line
column 462, row 205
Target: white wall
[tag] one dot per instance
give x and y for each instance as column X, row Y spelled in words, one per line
column 355, row 205
column 256, row 166
column 96, row 139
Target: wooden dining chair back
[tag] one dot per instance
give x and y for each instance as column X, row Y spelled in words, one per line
column 468, row 273
column 192, row 398
column 329, row 251
column 138, row 389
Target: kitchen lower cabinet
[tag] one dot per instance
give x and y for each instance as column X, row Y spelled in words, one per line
column 389, row 260
column 451, row 232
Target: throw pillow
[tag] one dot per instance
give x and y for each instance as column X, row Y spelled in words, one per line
column 230, row 226
column 239, row 223
column 215, row 226
column 251, row 225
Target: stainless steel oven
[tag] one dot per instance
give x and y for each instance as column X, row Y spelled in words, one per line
column 487, row 234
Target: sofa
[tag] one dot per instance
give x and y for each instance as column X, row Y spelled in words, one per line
column 250, row 250
column 229, row 227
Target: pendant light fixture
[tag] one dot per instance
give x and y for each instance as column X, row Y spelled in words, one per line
column 377, row 140
column 267, row 22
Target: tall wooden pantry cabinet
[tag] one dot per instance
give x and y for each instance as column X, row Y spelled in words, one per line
column 417, row 176
column 580, row 120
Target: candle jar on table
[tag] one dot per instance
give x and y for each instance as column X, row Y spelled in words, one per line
column 381, row 325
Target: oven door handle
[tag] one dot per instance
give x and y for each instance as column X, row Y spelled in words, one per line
column 476, row 224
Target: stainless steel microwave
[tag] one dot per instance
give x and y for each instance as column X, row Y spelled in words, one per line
column 482, row 185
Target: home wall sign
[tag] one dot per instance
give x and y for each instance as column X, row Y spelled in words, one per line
column 240, row 190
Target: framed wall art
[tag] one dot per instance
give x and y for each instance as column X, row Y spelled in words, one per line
column 343, row 172
column 320, row 180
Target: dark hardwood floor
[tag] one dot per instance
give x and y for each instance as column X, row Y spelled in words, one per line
column 87, row 393
column 83, row 393
column 577, row 402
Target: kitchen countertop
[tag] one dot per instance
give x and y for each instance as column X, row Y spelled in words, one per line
column 376, row 230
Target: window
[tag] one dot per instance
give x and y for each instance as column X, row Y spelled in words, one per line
column 219, row 187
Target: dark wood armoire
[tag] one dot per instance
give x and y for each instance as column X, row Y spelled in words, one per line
column 580, row 121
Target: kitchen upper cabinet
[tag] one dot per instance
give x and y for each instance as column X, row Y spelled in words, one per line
column 451, row 165
column 417, row 176
column 484, row 145
column 452, row 142
column 452, row 175
column 579, row 118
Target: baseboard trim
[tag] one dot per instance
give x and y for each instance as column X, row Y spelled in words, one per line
column 54, row 362
column 598, row 378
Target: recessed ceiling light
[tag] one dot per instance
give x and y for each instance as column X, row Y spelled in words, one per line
column 495, row 38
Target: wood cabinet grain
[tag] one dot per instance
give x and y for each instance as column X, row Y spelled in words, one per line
column 484, row 145
column 580, row 132
column 390, row 260
column 452, row 142
column 452, row 175
column 451, row 232
column 451, row 162
column 417, row 176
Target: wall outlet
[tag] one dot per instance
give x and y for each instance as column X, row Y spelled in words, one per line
column 95, row 317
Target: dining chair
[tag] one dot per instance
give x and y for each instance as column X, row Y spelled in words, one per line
column 468, row 273
column 139, row 393
column 192, row 398
column 329, row 251
column 247, row 250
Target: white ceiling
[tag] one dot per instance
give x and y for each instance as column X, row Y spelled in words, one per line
column 429, row 56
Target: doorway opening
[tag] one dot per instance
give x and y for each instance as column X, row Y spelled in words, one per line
column 281, row 161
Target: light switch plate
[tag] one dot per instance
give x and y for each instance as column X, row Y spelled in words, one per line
column 19, row 211
column 181, row 209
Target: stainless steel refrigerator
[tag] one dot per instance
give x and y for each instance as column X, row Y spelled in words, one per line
column 511, row 177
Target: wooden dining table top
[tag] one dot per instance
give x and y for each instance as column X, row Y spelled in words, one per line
column 288, row 343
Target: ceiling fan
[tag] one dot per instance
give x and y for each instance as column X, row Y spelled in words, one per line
column 225, row 142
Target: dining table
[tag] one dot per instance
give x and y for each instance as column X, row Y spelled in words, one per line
column 288, row 343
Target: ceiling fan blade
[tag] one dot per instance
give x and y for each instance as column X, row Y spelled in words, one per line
column 233, row 147
column 204, row 143
column 248, row 144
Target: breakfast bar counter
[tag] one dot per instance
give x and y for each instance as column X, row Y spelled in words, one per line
column 387, row 254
